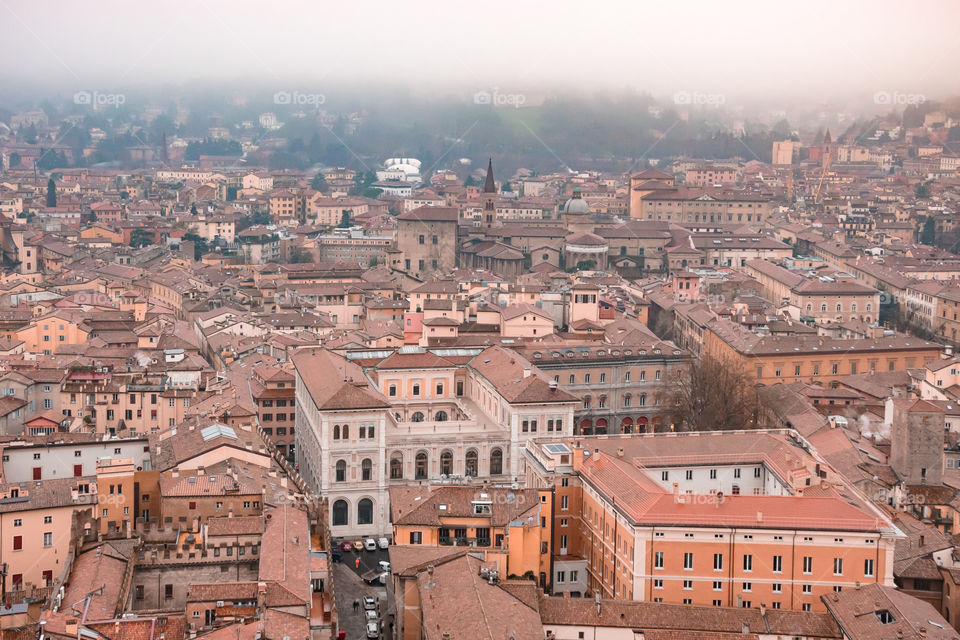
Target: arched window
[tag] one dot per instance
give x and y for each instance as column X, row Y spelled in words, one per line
column 446, row 462
column 365, row 511
column 586, row 402
column 341, row 471
column 496, row 462
column 417, row 416
column 340, row 513
column 366, row 469
column 396, row 466
column 346, row 432
column 336, row 432
column 627, row 399
column 420, row 473
column 441, row 416
column 472, row 462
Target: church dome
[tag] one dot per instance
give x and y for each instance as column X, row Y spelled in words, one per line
column 576, row 204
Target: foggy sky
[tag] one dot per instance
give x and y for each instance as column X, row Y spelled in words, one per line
column 750, row 49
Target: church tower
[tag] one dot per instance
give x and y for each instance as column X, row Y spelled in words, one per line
column 489, row 198
column 826, row 151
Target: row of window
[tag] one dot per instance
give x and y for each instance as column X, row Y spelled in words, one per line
column 588, row 378
column 364, row 431
column 834, row 369
column 776, row 565
column 665, row 475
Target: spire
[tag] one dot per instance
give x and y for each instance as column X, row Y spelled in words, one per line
column 489, row 186
column 826, row 137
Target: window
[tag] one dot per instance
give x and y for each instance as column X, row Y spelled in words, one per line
column 665, row 475
column 688, row 561
column 471, row 463
column 868, row 567
column 168, row 591
column 838, row 566
column 718, row 562
column 689, row 474
column 420, row 471
column 365, row 511
column 396, row 467
column 748, row 562
column 658, row 583
column 658, row 560
column 778, row 564
column 496, row 462
column 48, row 539
column 17, row 543
column 688, row 585
column 808, row 564
column 341, row 471
column 340, row 513
column 446, row 463
column 366, row 469
column 416, row 537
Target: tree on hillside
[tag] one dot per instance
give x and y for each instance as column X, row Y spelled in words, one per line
column 929, row 233
column 319, row 183
column 709, row 395
column 51, row 193
column 346, row 219
column 193, row 209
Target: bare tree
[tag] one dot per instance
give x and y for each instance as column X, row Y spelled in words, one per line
column 710, row 395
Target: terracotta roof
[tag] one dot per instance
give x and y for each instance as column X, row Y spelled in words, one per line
column 335, row 383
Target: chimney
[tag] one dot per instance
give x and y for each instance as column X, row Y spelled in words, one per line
column 526, row 372
column 71, row 627
column 620, row 452
column 759, row 517
column 676, row 488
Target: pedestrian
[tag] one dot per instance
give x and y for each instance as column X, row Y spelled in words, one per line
column 356, row 604
column 357, row 562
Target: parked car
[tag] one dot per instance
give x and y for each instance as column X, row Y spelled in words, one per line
column 371, row 544
column 372, row 630
column 383, row 565
column 370, row 615
column 358, row 545
column 347, row 546
column 369, row 602
column 383, row 542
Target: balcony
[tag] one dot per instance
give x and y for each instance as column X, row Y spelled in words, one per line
column 463, row 541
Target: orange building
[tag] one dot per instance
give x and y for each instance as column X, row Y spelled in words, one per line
column 727, row 519
column 770, row 359
column 511, row 527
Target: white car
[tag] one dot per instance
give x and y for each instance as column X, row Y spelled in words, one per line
column 372, row 630
column 369, row 602
column 370, row 544
column 383, row 565
column 383, row 542
column 370, row 615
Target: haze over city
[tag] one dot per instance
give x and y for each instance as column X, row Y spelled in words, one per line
column 479, row 321
column 813, row 52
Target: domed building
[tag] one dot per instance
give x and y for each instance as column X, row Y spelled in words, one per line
column 585, row 247
column 575, row 214
column 581, row 244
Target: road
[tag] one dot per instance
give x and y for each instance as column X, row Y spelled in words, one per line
column 350, row 587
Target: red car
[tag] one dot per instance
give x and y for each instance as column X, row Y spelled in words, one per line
column 347, row 546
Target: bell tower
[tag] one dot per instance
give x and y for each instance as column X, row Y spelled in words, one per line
column 489, row 198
